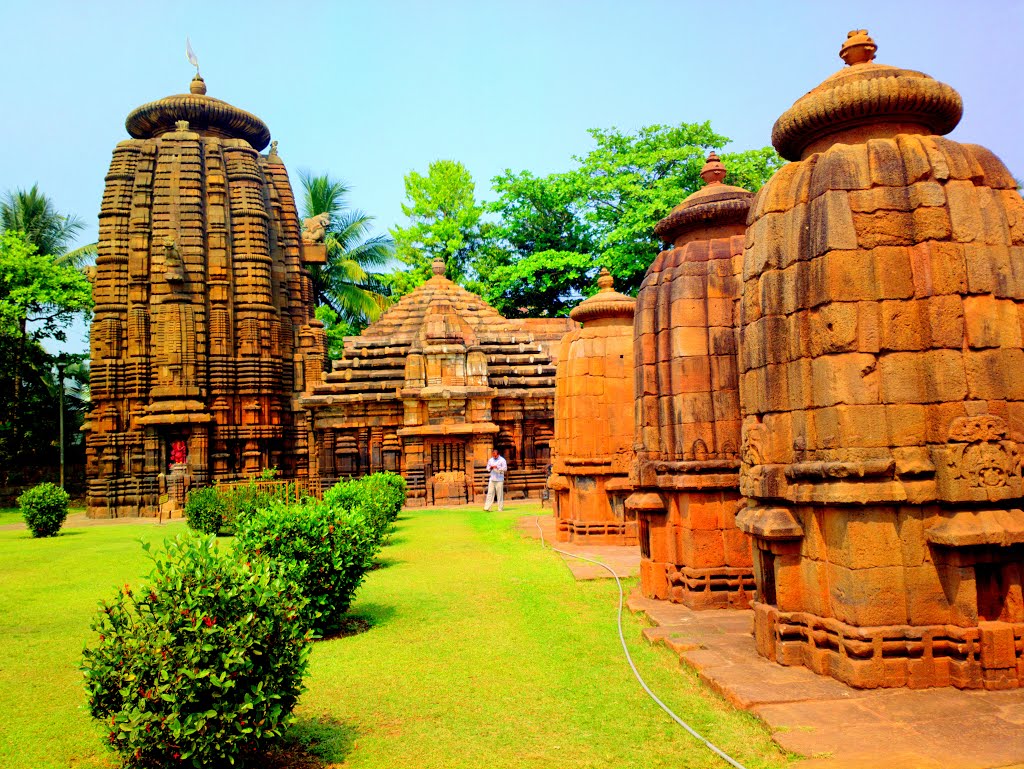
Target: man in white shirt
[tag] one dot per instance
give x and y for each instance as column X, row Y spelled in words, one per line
column 496, row 482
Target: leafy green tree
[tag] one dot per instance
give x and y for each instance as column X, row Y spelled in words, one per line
column 39, row 296
column 336, row 329
column 51, row 232
column 556, row 231
column 444, row 223
column 350, row 283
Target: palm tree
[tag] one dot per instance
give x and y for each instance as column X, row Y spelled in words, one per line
column 50, row 231
column 348, row 283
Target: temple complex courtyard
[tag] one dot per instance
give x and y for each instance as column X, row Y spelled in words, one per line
column 470, row 645
column 653, row 447
column 482, row 651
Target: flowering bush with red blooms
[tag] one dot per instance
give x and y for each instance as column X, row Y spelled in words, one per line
column 202, row 665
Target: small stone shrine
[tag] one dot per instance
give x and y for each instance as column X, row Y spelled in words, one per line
column 431, row 387
column 687, row 415
column 594, row 421
column 203, row 330
column 882, row 378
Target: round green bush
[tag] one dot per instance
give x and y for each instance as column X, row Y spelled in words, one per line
column 200, row 666
column 205, row 510
column 45, row 508
column 323, row 549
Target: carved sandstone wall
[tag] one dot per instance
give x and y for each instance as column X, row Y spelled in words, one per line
column 880, row 366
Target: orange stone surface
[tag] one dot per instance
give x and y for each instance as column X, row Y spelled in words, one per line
column 203, row 330
column 686, row 408
column 882, row 382
column 594, row 422
column 431, row 387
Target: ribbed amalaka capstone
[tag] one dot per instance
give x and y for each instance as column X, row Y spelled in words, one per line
column 431, row 387
column 203, row 332
column 686, row 407
column 881, row 379
column 594, row 421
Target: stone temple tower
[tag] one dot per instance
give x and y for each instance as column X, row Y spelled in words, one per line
column 594, row 421
column 687, row 411
column 203, row 331
column 880, row 379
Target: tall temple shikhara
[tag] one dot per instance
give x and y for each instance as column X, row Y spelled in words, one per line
column 203, row 330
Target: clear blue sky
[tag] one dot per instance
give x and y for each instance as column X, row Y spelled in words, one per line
column 367, row 91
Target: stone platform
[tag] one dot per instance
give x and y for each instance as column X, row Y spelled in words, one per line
column 835, row 726
column 625, row 561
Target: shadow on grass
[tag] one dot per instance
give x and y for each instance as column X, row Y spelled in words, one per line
column 368, row 616
column 383, row 563
column 312, row 743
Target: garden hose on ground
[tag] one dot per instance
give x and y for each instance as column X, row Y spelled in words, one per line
column 693, row 732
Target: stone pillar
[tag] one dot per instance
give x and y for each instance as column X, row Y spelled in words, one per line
column 687, row 418
column 881, row 361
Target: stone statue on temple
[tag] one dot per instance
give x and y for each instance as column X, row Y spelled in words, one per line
column 314, row 229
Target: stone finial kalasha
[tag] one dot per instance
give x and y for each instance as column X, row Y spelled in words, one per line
column 858, row 48
column 714, row 171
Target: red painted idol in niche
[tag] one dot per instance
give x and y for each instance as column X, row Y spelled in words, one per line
column 179, row 453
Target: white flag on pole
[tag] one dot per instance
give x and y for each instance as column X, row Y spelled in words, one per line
column 190, row 54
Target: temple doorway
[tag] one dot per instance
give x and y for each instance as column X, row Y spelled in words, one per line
column 446, row 472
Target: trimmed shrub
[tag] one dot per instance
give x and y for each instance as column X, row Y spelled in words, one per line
column 45, row 508
column 202, row 665
column 218, row 509
column 378, row 498
column 205, row 510
column 322, row 548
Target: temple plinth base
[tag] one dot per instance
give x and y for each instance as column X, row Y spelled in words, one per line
column 622, row 533
column 717, row 588
column 985, row 656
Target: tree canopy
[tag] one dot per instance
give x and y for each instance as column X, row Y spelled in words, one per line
column 51, row 232
column 445, row 222
column 39, row 296
column 556, row 231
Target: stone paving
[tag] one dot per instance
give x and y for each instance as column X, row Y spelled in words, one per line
column 835, row 726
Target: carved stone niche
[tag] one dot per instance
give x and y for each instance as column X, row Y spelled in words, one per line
column 979, row 462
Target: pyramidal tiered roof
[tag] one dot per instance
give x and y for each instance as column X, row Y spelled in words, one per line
column 373, row 366
column 402, row 323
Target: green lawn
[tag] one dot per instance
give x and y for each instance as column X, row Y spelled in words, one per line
column 484, row 652
column 13, row 514
column 9, row 515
